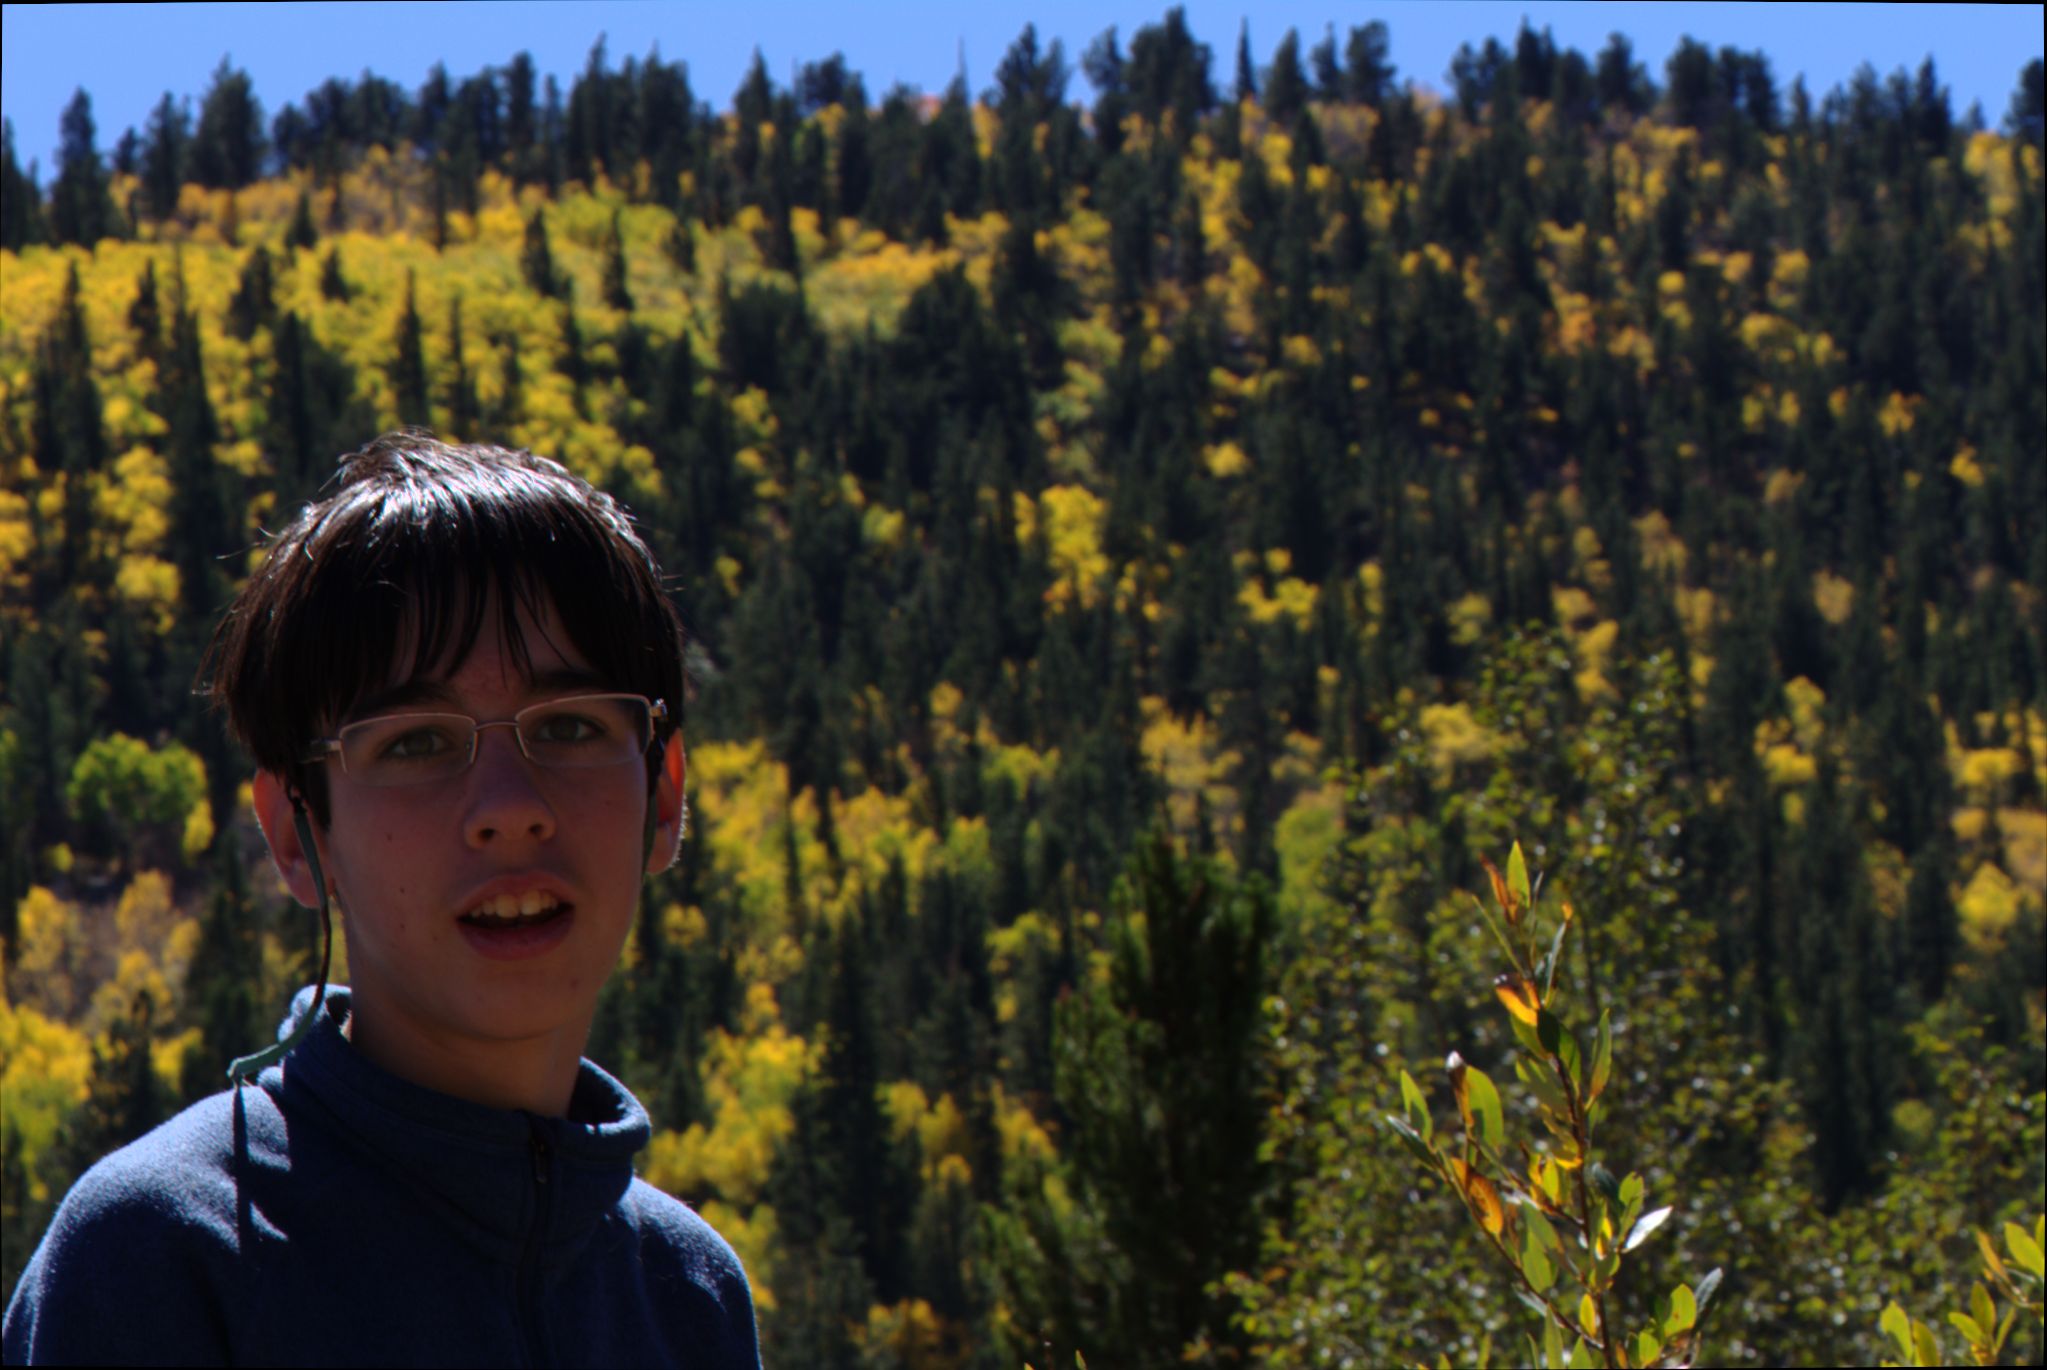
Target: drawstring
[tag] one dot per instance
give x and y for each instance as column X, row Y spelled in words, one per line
column 243, row 1067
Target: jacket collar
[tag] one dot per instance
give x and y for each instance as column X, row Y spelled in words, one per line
column 502, row 1176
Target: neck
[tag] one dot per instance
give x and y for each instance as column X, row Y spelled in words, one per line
column 536, row 1074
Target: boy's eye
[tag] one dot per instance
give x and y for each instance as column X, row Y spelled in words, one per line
column 416, row 744
column 570, row 726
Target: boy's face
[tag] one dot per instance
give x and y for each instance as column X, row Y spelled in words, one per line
column 406, row 863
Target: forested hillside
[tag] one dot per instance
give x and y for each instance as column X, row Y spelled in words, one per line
column 1140, row 557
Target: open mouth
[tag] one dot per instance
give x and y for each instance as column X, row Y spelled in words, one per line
column 516, row 911
column 514, row 927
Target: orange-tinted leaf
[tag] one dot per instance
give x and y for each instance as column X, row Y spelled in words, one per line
column 1485, row 1200
column 1519, row 996
column 1506, row 902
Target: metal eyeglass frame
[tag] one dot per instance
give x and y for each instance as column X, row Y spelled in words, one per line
column 324, row 747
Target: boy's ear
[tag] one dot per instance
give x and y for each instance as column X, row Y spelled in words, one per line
column 281, row 834
column 670, row 816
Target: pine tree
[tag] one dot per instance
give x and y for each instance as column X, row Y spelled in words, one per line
column 461, row 403
column 254, row 303
column 408, row 366
column 201, row 527
column 616, row 293
column 124, row 1097
column 1286, row 84
column 333, row 285
column 537, row 261
column 21, row 207
column 165, row 157
column 228, row 148
column 81, row 207
column 1156, row 1070
column 222, row 988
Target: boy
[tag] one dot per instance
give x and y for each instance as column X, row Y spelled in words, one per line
column 462, row 686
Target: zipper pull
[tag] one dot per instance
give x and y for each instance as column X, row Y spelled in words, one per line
column 539, row 1159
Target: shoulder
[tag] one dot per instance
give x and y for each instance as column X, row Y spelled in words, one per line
column 677, row 1245
column 151, row 1229
column 670, row 1228
column 177, row 1178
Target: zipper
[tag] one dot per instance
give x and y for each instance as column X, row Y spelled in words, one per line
column 536, row 1241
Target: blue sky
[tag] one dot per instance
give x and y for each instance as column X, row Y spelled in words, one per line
column 127, row 55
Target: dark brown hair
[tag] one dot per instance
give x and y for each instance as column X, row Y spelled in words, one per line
column 405, row 554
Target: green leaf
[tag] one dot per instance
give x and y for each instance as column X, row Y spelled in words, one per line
column 1549, row 962
column 1684, row 1314
column 1537, row 1077
column 1984, row 1311
column 1499, row 933
column 1537, row 1223
column 1524, row 1033
column 1647, row 1348
column 2004, row 1328
column 1966, row 1325
column 1485, row 1102
column 1549, row 1030
column 1581, row 1357
column 1517, row 875
column 1606, row 1184
column 1602, row 1054
column 1573, row 1059
column 1417, row 1106
column 1552, row 1342
column 2024, row 1249
column 1923, row 1344
column 1631, row 1190
column 1421, row 1149
column 1535, row 1265
column 1649, row 1223
column 1895, row 1325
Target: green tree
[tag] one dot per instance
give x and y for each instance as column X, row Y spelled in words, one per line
column 81, row 206
column 228, row 146
column 1157, row 1069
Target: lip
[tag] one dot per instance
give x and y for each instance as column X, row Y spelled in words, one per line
column 519, row 943
column 514, row 885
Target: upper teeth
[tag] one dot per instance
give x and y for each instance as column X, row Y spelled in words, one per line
column 517, row 905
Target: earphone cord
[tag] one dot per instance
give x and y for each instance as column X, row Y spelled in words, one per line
column 245, row 1066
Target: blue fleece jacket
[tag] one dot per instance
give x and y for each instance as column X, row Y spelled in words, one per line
column 334, row 1214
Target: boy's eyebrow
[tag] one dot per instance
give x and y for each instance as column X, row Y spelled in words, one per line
column 408, row 693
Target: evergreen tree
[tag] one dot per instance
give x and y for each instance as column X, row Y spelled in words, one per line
column 537, row 261
column 1156, row 1070
column 408, row 367
column 70, row 435
column 81, row 207
column 302, row 233
column 228, row 147
column 461, row 402
column 201, row 527
column 223, row 988
column 165, row 157
column 334, row 285
column 1246, row 87
column 1368, row 70
column 124, row 1098
column 1286, row 83
column 21, row 207
column 254, row 303
column 616, row 293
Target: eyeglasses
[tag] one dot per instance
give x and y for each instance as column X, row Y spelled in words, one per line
column 574, row 733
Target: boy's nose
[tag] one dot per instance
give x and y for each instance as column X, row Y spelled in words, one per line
column 505, row 796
